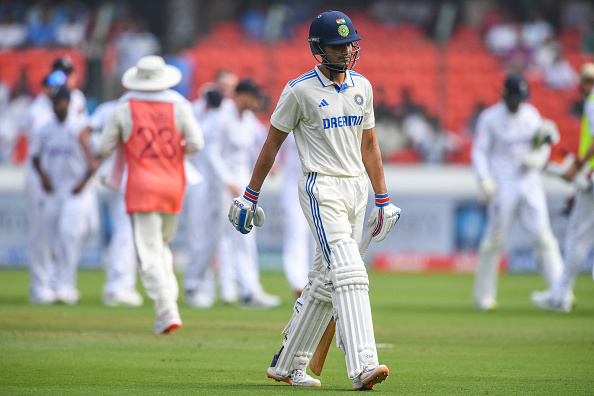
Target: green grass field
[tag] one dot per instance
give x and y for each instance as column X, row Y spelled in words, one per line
column 430, row 337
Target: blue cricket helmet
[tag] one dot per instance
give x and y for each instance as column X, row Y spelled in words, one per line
column 516, row 86
column 332, row 28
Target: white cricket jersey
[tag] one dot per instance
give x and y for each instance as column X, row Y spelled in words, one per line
column 327, row 121
column 503, row 139
column 61, row 155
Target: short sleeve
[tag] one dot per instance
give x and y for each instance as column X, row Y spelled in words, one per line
column 288, row 111
column 369, row 120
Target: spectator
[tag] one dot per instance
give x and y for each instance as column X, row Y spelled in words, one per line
column 12, row 115
column 536, row 31
column 42, row 30
column 135, row 42
column 13, row 33
column 503, row 37
column 72, row 32
column 560, row 74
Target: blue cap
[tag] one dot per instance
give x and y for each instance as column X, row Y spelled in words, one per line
column 56, row 78
column 516, row 86
column 332, row 27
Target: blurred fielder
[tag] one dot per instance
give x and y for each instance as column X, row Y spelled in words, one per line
column 157, row 128
column 203, row 205
column 61, row 156
column 579, row 239
column 120, row 265
column 42, row 276
column 330, row 111
column 235, row 148
column 511, row 146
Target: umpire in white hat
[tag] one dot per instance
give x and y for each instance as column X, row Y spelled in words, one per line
column 156, row 128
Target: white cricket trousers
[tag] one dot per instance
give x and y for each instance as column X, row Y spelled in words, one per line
column 41, row 262
column 153, row 231
column 334, row 208
column 120, row 265
column 70, row 220
column 523, row 199
column 579, row 241
column 206, row 219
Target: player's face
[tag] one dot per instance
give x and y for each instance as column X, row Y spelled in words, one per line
column 586, row 86
column 512, row 103
column 61, row 108
column 339, row 53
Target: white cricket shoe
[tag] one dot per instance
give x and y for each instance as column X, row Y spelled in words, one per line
column 545, row 300
column 199, row 299
column 167, row 322
column 261, row 300
column 296, row 378
column 67, row 296
column 45, row 297
column 485, row 305
column 123, row 298
column 370, row 376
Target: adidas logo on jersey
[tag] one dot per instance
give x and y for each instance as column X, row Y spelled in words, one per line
column 324, row 103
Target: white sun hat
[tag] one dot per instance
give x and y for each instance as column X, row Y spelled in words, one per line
column 151, row 74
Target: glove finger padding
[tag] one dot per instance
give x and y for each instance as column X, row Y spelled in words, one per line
column 259, row 217
column 384, row 218
column 241, row 215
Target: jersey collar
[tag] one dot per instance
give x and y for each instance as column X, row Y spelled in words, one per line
column 348, row 81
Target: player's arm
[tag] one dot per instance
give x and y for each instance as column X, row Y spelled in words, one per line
column 45, row 181
column 84, row 139
column 384, row 215
column 479, row 154
column 193, row 136
column 110, row 136
column 372, row 160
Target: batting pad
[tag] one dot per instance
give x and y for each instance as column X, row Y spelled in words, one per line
column 311, row 315
column 551, row 262
column 354, row 326
column 487, row 272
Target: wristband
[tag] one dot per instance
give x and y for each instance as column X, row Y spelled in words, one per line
column 382, row 200
column 251, row 195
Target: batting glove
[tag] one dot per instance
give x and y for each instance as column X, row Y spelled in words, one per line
column 244, row 209
column 536, row 160
column 488, row 187
column 384, row 215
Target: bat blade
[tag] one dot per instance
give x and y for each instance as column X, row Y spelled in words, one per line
column 318, row 358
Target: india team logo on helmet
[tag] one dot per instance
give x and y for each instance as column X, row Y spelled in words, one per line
column 343, row 30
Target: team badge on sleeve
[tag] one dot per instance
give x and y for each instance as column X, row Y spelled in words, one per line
column 358, row 99
column 343, row 30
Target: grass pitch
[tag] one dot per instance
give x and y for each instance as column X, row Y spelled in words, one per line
column 429, row 336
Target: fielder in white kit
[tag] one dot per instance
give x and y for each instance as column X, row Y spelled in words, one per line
column 238, row 139
column 330, row 111
column 579, row 240
column 507, row 164
column 120, row 264
column 41, row 259
column 60, row 156
column 203, row 206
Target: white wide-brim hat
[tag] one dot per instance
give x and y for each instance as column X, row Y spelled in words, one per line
column 151, row 74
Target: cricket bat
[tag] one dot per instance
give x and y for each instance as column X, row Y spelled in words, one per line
column 319, row 356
